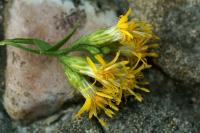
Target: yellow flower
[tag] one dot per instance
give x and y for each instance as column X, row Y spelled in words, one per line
column 117, row 76
column 140, row 49
column 133, row 29
column 111, row 80
column 124, row 31
column 97, row 99
column 132, row 82
column 109, row 75
column 124, row 26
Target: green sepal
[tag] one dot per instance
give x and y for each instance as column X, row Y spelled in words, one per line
column 91, row 49
column 105, row 50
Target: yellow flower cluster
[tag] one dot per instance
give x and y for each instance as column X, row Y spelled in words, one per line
column 109, row 82
column 104, row 82
column 102, row 78
column 136, row 36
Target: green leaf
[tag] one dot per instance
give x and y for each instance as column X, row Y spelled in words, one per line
column 22, row 44
column 18, row 45
column 42, row 45
column 64, row 40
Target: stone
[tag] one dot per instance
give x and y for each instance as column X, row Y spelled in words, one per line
column 5, row 121
column 166, row 109
column 2, row 49
column 64, row 124
column 176, row 23
column 35, row 84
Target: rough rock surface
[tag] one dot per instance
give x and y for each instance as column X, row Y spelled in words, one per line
column 169, row 108
column 2, row 49
column 5, row 122
column 176, row 22
column 36, row 85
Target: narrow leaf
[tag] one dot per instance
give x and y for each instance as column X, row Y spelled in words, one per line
column 63, row 41
column 19, row 45
column 42, row 45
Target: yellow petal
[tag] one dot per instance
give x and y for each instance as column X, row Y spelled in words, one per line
column 137, row 96
column 123, row 26
column 91, row 64
column 124, row 18
column 113, row 106
column 92, row 112
column 104, row 95
column 115, row 59
column 144, row 89
column 127, row 33
column 152, row 54
column 153, row 45
column 85, row 107
column 100, row 59
column 128, row 12
column 109, row 113
column 101, row 121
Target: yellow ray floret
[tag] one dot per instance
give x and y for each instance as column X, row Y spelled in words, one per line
column 140, row 49
column 109, row 74
column 133, row 29
column 97, row 101
column 124, row 26
column 132, row 83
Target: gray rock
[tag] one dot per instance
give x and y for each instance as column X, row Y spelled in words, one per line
column 176, row 22
column 5, row 122
column 169, row 108
column 2, row 49
column 61, row 123
column 1, row 18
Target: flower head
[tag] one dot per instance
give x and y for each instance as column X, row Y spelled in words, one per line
column 133, row 29
column 140, row 49
column 124, row 31
column 108, row 75
column 123, row 26
column 110, row 81
column 97, row 99
column 132, row 82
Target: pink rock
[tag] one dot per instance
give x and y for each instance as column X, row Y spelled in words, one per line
column 35, row 84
